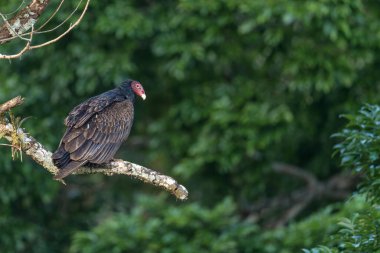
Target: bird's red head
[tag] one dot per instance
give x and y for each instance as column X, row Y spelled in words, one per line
column 138, row 89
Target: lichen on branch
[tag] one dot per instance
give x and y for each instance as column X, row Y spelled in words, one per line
column 25, row 20
column 22, row 21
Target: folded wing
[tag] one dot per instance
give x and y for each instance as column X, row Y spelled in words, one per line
column 95, row 133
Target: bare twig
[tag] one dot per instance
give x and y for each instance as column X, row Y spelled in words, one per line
column 22, row 21
column 12, row 29
column 25, row 49
column 67, row 31
column 63, row 22
column 16, row 10
column 4, row 37
column 39, row 154
column 52, row 16
column 279, row 210
column 295, row 171
column 38, row 30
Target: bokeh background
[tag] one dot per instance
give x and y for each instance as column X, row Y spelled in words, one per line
column 232, row 88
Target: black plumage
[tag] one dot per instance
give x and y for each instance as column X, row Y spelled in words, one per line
column 96, row 128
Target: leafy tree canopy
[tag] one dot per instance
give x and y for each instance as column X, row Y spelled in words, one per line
column 233, row 87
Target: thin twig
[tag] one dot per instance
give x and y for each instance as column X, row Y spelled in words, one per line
column 18, row 8
column 8, row 145
column 28, row 46
column 11, row 28
column 22, row 21
column 37, row 31
column 51, row 16
column 279, row 210
column 24, row 50
column 67, row 31
column 64, row 21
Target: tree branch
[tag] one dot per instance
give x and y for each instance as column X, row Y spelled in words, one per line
column 22, row 21
column 39, row 154
column 76, row 23
column 10, row 104
column 17, row 26
column 296, row 172
column 279, row 210
column 26, row 48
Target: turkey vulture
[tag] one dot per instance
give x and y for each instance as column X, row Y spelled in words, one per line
column 96, row 128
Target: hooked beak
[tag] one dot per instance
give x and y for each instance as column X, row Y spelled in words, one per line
column 143, row 96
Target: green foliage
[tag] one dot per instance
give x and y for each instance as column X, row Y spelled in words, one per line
column 152, row 226
column 313, row 230
column 20, row 210
column 359, row 151
column 232, row 87
column 360, row 148
column 361, row 233
column 357, row 234
column 231, row 119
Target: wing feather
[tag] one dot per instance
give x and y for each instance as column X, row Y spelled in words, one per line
column 84, row 111
column 70, row 135
column 106, row 153
column 90, row 131
column 95, row 131
column 74, row 144
column 83, row 151
column 98, row 138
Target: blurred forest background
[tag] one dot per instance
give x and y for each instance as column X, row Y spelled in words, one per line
column 243, row 98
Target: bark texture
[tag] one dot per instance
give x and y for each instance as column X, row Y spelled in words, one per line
column 22, row 21
column 10, row 104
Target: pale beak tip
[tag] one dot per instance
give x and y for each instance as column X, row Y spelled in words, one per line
column 143, row 96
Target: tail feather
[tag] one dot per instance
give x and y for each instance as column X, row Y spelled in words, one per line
column 68, row 169
column 63, row 161
column 61, row 157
